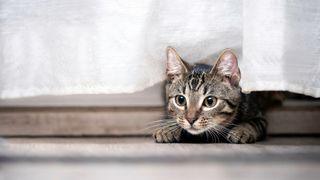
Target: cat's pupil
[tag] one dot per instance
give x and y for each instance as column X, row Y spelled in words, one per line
column 209, row 101
column 181, row 100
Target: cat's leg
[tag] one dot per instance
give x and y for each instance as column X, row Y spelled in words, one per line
column 249, row 131
column 166, row 135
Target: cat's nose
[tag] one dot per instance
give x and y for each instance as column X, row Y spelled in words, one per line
column 191, row 120
column 192, row 116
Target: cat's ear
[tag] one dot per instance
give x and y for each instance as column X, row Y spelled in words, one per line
column 227, row 67
column 176, row 67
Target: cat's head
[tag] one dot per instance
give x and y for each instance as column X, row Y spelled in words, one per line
column 202, row 97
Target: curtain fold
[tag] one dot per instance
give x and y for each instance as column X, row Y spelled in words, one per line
column 59, row 47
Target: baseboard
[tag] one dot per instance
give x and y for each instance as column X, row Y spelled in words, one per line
column 101, row 121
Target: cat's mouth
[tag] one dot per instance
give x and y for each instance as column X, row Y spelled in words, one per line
column 194, row 128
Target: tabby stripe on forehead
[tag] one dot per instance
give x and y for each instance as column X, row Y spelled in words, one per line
column 182, row 90
column 195, row 82
column 205, row 90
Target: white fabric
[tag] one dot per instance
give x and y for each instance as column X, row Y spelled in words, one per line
column 281, row 46
column 118, row 46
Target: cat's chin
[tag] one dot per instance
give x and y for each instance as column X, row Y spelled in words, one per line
column 195, row 131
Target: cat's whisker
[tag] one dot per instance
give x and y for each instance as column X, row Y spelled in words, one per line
column 167, row 117
column 230, row 134
column 220, row 130
column 214, row 135
column 215, row 132
column 232, row 124
column 167, row 126
column 159, row 121
column 171, row 129
column 209, row 137
column 206, row 133
column 224, row 133
column 164, row 125
column 223, row 128
column 159, row 125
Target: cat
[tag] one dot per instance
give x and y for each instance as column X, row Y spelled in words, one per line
column 205, row 103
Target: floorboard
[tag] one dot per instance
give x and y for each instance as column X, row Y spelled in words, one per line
column 140, row 158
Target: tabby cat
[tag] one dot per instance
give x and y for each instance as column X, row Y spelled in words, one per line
column 205, row 103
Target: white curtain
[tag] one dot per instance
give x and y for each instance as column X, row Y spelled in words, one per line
column 281, row 46
column 59, row 47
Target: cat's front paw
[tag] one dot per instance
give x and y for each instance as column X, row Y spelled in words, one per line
column 167, row 136
column 242, row 134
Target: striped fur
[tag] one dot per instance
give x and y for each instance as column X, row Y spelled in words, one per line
column 232, row 117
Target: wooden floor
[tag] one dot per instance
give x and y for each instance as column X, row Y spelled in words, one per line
column 140, row 158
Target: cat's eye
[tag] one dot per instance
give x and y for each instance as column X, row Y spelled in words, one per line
column 180, row 100
column 209, row 101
